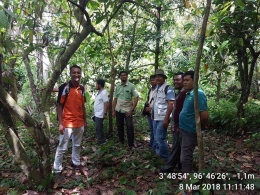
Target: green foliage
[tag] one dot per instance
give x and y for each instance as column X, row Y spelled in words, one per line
column 124, row 191
column 223, row 116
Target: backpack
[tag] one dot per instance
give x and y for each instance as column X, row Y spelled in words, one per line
column 165, row 91
column 67, row 91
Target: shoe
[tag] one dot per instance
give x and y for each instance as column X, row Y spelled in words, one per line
column 76, row 167
column 131, row 148
column 57, row 177
column 166, row 169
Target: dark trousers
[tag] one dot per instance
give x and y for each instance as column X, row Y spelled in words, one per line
column 188, row 144
column 99, row 129
column 120, row 118
column 175, row 154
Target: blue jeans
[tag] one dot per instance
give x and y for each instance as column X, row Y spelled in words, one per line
column 150, row 124
column 160, row 138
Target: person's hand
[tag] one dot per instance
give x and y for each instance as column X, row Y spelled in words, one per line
column 105, row 116
column 113, row 113
column 165, row 123
column 61, row 129
column 148, row 109
column 177, row 129
column 85, row 126
column 129, row 114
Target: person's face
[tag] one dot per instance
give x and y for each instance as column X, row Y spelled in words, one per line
column 160, row 80
column 75, row 74
column 178, row 82
column 97, row 86
column 188, row 83
column 123, row 77
column 153, row 82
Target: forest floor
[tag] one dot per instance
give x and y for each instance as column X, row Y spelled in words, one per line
column 113, row 169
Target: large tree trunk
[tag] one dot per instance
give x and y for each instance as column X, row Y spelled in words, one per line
column 196, row 78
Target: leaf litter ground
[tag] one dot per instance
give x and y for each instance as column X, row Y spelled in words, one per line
column 114, row 169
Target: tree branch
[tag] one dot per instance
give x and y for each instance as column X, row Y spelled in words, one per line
column 30, row 76
column 140, row 67
column 112, row 16
column 12, row 105
column 82, row 9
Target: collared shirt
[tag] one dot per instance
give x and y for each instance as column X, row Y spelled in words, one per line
column 72, row 115
column 124, row 95
column 187, row 120
column 100, row 100
column 160, row 101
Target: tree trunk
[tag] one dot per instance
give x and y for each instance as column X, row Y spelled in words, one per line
column 219, row 77
column 112, row 81
column 158, row 37
column 130, row 50
column 196, row 78
column 246, row 75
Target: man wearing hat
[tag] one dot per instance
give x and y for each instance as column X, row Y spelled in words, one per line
column 164, row 97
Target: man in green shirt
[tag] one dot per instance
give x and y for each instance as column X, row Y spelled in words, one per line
column 123, row 108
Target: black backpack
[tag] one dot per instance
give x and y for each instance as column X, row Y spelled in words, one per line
column 67, row 91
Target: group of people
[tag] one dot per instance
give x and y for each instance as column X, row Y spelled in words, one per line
column 177, row 105
column 164, row 105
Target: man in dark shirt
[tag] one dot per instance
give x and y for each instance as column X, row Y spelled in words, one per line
column 174, row 157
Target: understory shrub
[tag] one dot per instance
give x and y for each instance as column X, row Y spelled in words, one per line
column 223, row 116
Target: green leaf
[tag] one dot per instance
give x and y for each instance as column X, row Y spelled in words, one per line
column 122, row 180
column 241, row 42
column 224, row 44
column 102, row 1
column 240, row 4
column 187, row 27
column 10, row 13
column 100, row 19
column 205, row 192
column 93, row 5
column 63, row 24
column 3, row 20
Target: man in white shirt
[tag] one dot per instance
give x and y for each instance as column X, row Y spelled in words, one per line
column 149, row 109
column 100, row 110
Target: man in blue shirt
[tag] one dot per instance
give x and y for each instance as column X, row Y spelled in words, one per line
column 164, row 97
column 187, row 122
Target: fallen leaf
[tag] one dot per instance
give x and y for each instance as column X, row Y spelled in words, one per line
column 100, row 187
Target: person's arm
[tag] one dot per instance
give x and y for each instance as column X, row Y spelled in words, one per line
column 168, row 113
column 204, row 117
column 130, row 113
column 85, row 117
column 106, row 106
column 114, row 107
column 59, row 111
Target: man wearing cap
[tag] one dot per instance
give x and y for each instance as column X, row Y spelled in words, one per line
column 164, row 97
column 123, row 108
